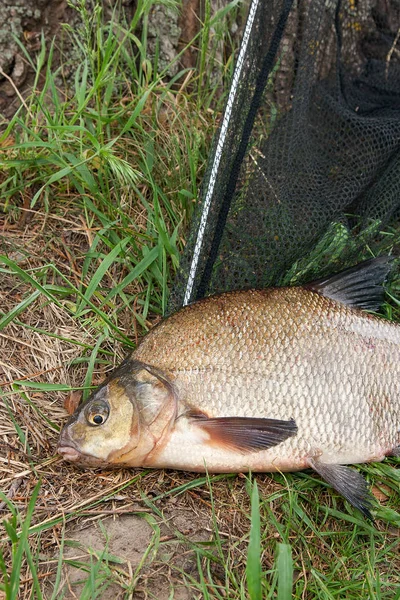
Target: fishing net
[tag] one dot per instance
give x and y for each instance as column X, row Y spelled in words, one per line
column 305, row 168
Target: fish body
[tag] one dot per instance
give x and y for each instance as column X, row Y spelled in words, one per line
column 261, row 380
column 284, row 354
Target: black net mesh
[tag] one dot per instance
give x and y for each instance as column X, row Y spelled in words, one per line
column 305, row 170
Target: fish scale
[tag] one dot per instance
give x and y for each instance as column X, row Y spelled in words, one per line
column 307, row 357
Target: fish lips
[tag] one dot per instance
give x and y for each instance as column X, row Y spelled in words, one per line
column 68, row 453
column 67, row 449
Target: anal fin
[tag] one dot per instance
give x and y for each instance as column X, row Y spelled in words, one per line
column 348, row 482
column 245, row 434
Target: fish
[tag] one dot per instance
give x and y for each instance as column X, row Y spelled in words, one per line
column 277, row 379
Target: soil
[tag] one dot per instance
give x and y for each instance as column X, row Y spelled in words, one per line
column 126, row 539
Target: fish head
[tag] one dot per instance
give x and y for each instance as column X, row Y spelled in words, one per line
column 123, row 421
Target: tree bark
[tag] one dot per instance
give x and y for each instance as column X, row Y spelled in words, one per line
column 29, row 20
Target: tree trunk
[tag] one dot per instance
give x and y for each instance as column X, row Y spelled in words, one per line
column 28, row 20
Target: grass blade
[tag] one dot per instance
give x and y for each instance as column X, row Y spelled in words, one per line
column 136, row 272
column 99, row 274
column 284, row 566
column 26, row 278
column 253, row 566
column 19, row 547
column 89, row 373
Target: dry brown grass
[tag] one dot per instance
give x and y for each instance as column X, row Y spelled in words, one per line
column 152, row 516
column 68, row 495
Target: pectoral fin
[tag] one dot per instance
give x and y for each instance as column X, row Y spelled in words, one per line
column 347, row 482
column 245, row 434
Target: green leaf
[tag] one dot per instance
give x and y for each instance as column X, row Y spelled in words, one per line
column 24, row 276
column 55, row 177
column 136, row 272
column 21, row 544
column 90, row 368
column 284, row 566
column 253, row 566
column 46, row 387
column 100, row 272
column 6, row 319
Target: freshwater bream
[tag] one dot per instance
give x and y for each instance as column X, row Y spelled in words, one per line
column 261, row 380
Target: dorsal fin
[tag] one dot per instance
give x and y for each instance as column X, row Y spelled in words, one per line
column 360, row 286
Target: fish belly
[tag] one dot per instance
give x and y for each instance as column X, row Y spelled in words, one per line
column 335, row 423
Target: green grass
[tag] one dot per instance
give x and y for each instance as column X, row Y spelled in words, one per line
column 19, row 548
column 253, row 565
column 98, row 183
column 111, row 164
column 345, row 561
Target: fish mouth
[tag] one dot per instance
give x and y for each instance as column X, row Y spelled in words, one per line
column 66, row 447
column 69, row 453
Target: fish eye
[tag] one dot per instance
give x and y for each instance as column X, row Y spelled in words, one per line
column 97, row 414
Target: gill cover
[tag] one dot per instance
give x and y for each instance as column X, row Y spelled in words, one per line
column 123, row 420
